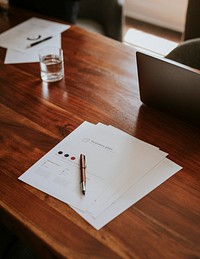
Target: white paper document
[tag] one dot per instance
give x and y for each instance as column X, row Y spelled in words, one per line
column 14, row 57
column 33, row 30
column 118, row 166
column 20, row 39
column 153, row 179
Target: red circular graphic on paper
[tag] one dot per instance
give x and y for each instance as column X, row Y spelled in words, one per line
column 73, row 158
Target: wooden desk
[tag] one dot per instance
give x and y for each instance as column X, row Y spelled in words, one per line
column 100, row 85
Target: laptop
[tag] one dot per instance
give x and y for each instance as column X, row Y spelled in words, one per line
column 169, row 87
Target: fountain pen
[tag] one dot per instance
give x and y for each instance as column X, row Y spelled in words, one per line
column 83, row 173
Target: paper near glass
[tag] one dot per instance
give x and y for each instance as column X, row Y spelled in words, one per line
column 34, row 29
column 14, row 57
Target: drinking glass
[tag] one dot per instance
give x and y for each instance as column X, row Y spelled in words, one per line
column 51, row 64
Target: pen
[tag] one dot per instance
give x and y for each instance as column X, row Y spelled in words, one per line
column 83, row 173
column 38, row 42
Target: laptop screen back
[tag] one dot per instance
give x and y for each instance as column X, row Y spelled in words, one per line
column 169, row 87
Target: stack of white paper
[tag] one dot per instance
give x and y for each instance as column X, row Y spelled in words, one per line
column 121, row 169
column 18, row 39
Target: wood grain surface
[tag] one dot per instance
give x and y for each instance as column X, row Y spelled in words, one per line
column 100, row 85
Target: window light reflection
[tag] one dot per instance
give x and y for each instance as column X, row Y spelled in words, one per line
column 149, row 41
column 45, row 90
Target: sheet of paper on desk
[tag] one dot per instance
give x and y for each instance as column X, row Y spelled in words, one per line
column 136, row 170
column 30, row 31
column 115, row 164
column 131, row 171
column 164, row 170
column 14, row 57
column 106, row 156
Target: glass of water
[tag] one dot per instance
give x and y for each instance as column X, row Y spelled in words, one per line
column 51, row 64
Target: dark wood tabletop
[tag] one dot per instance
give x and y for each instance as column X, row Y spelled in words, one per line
column 100, row 85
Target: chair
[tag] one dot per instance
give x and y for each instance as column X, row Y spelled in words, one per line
column 105, row 17
column 192, row 23
column 188, row 51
